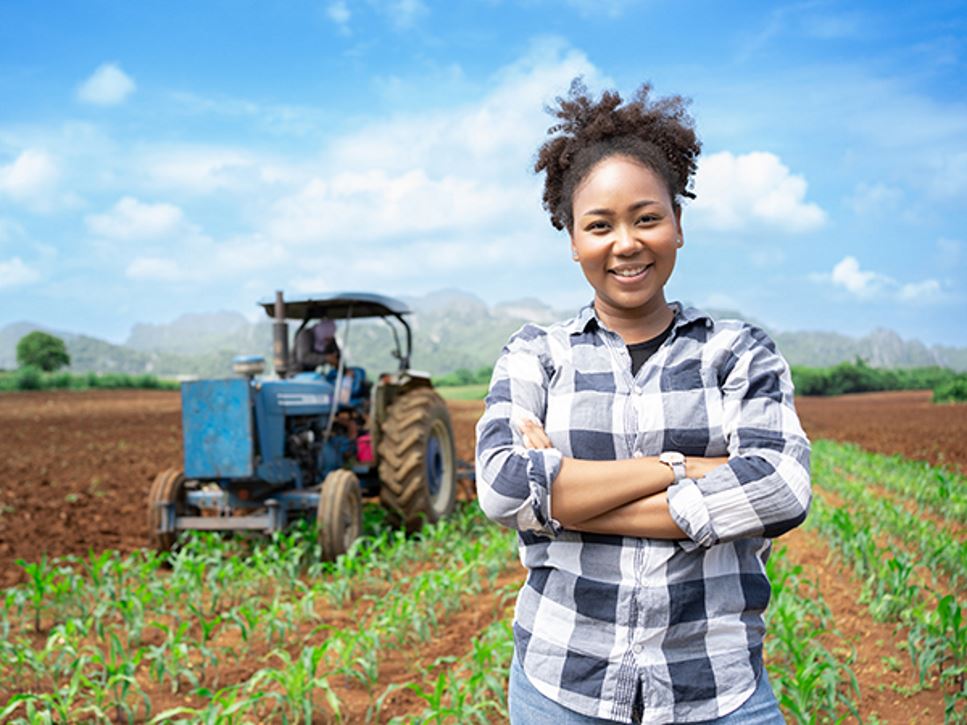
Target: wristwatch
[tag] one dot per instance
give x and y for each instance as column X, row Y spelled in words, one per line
column 675, row 461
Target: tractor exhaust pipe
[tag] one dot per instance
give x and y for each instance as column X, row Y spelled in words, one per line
column 280, row 337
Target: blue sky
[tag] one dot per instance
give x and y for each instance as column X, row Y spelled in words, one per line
column 163, row 158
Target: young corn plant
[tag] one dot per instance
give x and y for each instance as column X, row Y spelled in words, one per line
column 297, row 680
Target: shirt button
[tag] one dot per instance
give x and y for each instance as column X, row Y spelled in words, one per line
column 639, row 390
column 637, row 454
column 639, row 648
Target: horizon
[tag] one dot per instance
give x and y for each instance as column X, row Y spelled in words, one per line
column 160, row 161
column 258, row 316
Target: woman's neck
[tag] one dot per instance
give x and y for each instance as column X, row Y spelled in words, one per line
column 638, row 324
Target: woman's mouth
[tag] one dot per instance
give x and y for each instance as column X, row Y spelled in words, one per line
column 629, row 274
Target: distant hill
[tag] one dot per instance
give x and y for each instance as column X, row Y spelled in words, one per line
column 451, row 329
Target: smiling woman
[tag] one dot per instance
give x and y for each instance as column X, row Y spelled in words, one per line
column 645, row 452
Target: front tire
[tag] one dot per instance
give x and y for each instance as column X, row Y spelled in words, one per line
column 417, row 460
column 340, row 513
column 168, row 488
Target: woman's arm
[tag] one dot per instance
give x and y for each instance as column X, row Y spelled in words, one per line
column 765, row 489
column 646, row 518
column 625, row 497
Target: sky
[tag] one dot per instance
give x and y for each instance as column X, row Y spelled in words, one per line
column 159, row 158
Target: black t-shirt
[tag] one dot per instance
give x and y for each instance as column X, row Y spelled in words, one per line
column 641, row 351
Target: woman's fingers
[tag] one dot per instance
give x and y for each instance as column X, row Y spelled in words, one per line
column 534, row 435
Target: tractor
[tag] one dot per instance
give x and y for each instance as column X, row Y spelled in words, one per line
column 311, row 440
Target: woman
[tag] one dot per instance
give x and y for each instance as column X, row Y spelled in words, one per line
column 644, row 452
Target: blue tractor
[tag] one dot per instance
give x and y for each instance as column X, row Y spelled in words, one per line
column 311, row 440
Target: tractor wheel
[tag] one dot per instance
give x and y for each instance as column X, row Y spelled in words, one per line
column 168, row 488
column 340, row 514
column 417, row 460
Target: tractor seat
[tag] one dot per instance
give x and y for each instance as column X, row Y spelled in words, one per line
column 360, row 386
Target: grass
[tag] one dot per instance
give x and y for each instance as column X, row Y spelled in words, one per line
column 30, row 378
column 474, row 391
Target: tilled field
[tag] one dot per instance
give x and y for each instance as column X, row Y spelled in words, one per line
column 904, row 422
column 76, row 468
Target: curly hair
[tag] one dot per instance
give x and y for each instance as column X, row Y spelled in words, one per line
column 658, row 133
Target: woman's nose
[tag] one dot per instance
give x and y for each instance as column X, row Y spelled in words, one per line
column 625, row 241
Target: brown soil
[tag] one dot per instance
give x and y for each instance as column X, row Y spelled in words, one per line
column 75, row 469
column 904, row 422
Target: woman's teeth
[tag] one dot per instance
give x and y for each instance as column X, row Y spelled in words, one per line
column 629, row 271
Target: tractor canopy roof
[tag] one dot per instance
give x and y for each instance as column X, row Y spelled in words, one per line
column 338, row 306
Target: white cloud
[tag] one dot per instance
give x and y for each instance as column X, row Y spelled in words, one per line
column 452, row 173
column 338, row 12
column 107, row 86
column 926, row 291
column 754, row 189
column 375, row 205
column 864, row 284
column 133, row 219
column 13, row 272
column 30, row 178
column 868, row 285
column 199, row 169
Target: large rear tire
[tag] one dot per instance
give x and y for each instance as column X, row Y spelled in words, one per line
column 340, row 514
column 168, row 488
column 417, row 460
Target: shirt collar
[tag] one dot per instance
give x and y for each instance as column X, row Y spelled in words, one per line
column 587, row 318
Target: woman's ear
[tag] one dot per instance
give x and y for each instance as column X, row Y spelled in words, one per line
column 680, row 238
column 574, row 250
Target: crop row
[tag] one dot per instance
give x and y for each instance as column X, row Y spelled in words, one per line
column 939, row 490
column 103, row 637
column 937, row 551
column 864, row 533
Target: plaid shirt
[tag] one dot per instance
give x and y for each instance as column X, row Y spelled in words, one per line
column 601, row 616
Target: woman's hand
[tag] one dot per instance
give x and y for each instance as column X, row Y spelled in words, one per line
column 695, row 466
column 534, row 435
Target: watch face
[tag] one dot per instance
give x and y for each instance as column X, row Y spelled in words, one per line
column 672, row 457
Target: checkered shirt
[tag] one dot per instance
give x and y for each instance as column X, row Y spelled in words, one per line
column 603, row 617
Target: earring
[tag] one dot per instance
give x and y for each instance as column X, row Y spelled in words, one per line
column 680, row 242
column 574, row 256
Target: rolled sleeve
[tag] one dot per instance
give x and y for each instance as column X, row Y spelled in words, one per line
column 764, row 489
column 514, row 483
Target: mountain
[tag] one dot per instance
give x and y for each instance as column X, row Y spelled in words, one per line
column 451, row 329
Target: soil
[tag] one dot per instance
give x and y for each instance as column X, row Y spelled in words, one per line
column 904, row 422
column 75, row 469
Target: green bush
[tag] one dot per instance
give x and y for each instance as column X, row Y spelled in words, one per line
column 29, row 378
column 463, row 376
column 32, row 378
column 859, row 377
column 951, row 391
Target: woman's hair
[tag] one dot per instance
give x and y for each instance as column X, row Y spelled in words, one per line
column 658, row 133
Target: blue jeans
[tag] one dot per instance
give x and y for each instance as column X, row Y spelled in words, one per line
column 527, row 706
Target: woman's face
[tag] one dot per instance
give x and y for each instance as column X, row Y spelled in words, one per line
column 626, row 234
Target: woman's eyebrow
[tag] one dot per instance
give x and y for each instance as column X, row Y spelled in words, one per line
column 610, row 212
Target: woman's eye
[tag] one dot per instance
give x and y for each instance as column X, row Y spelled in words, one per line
column 647, row 219
column 597, row 226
